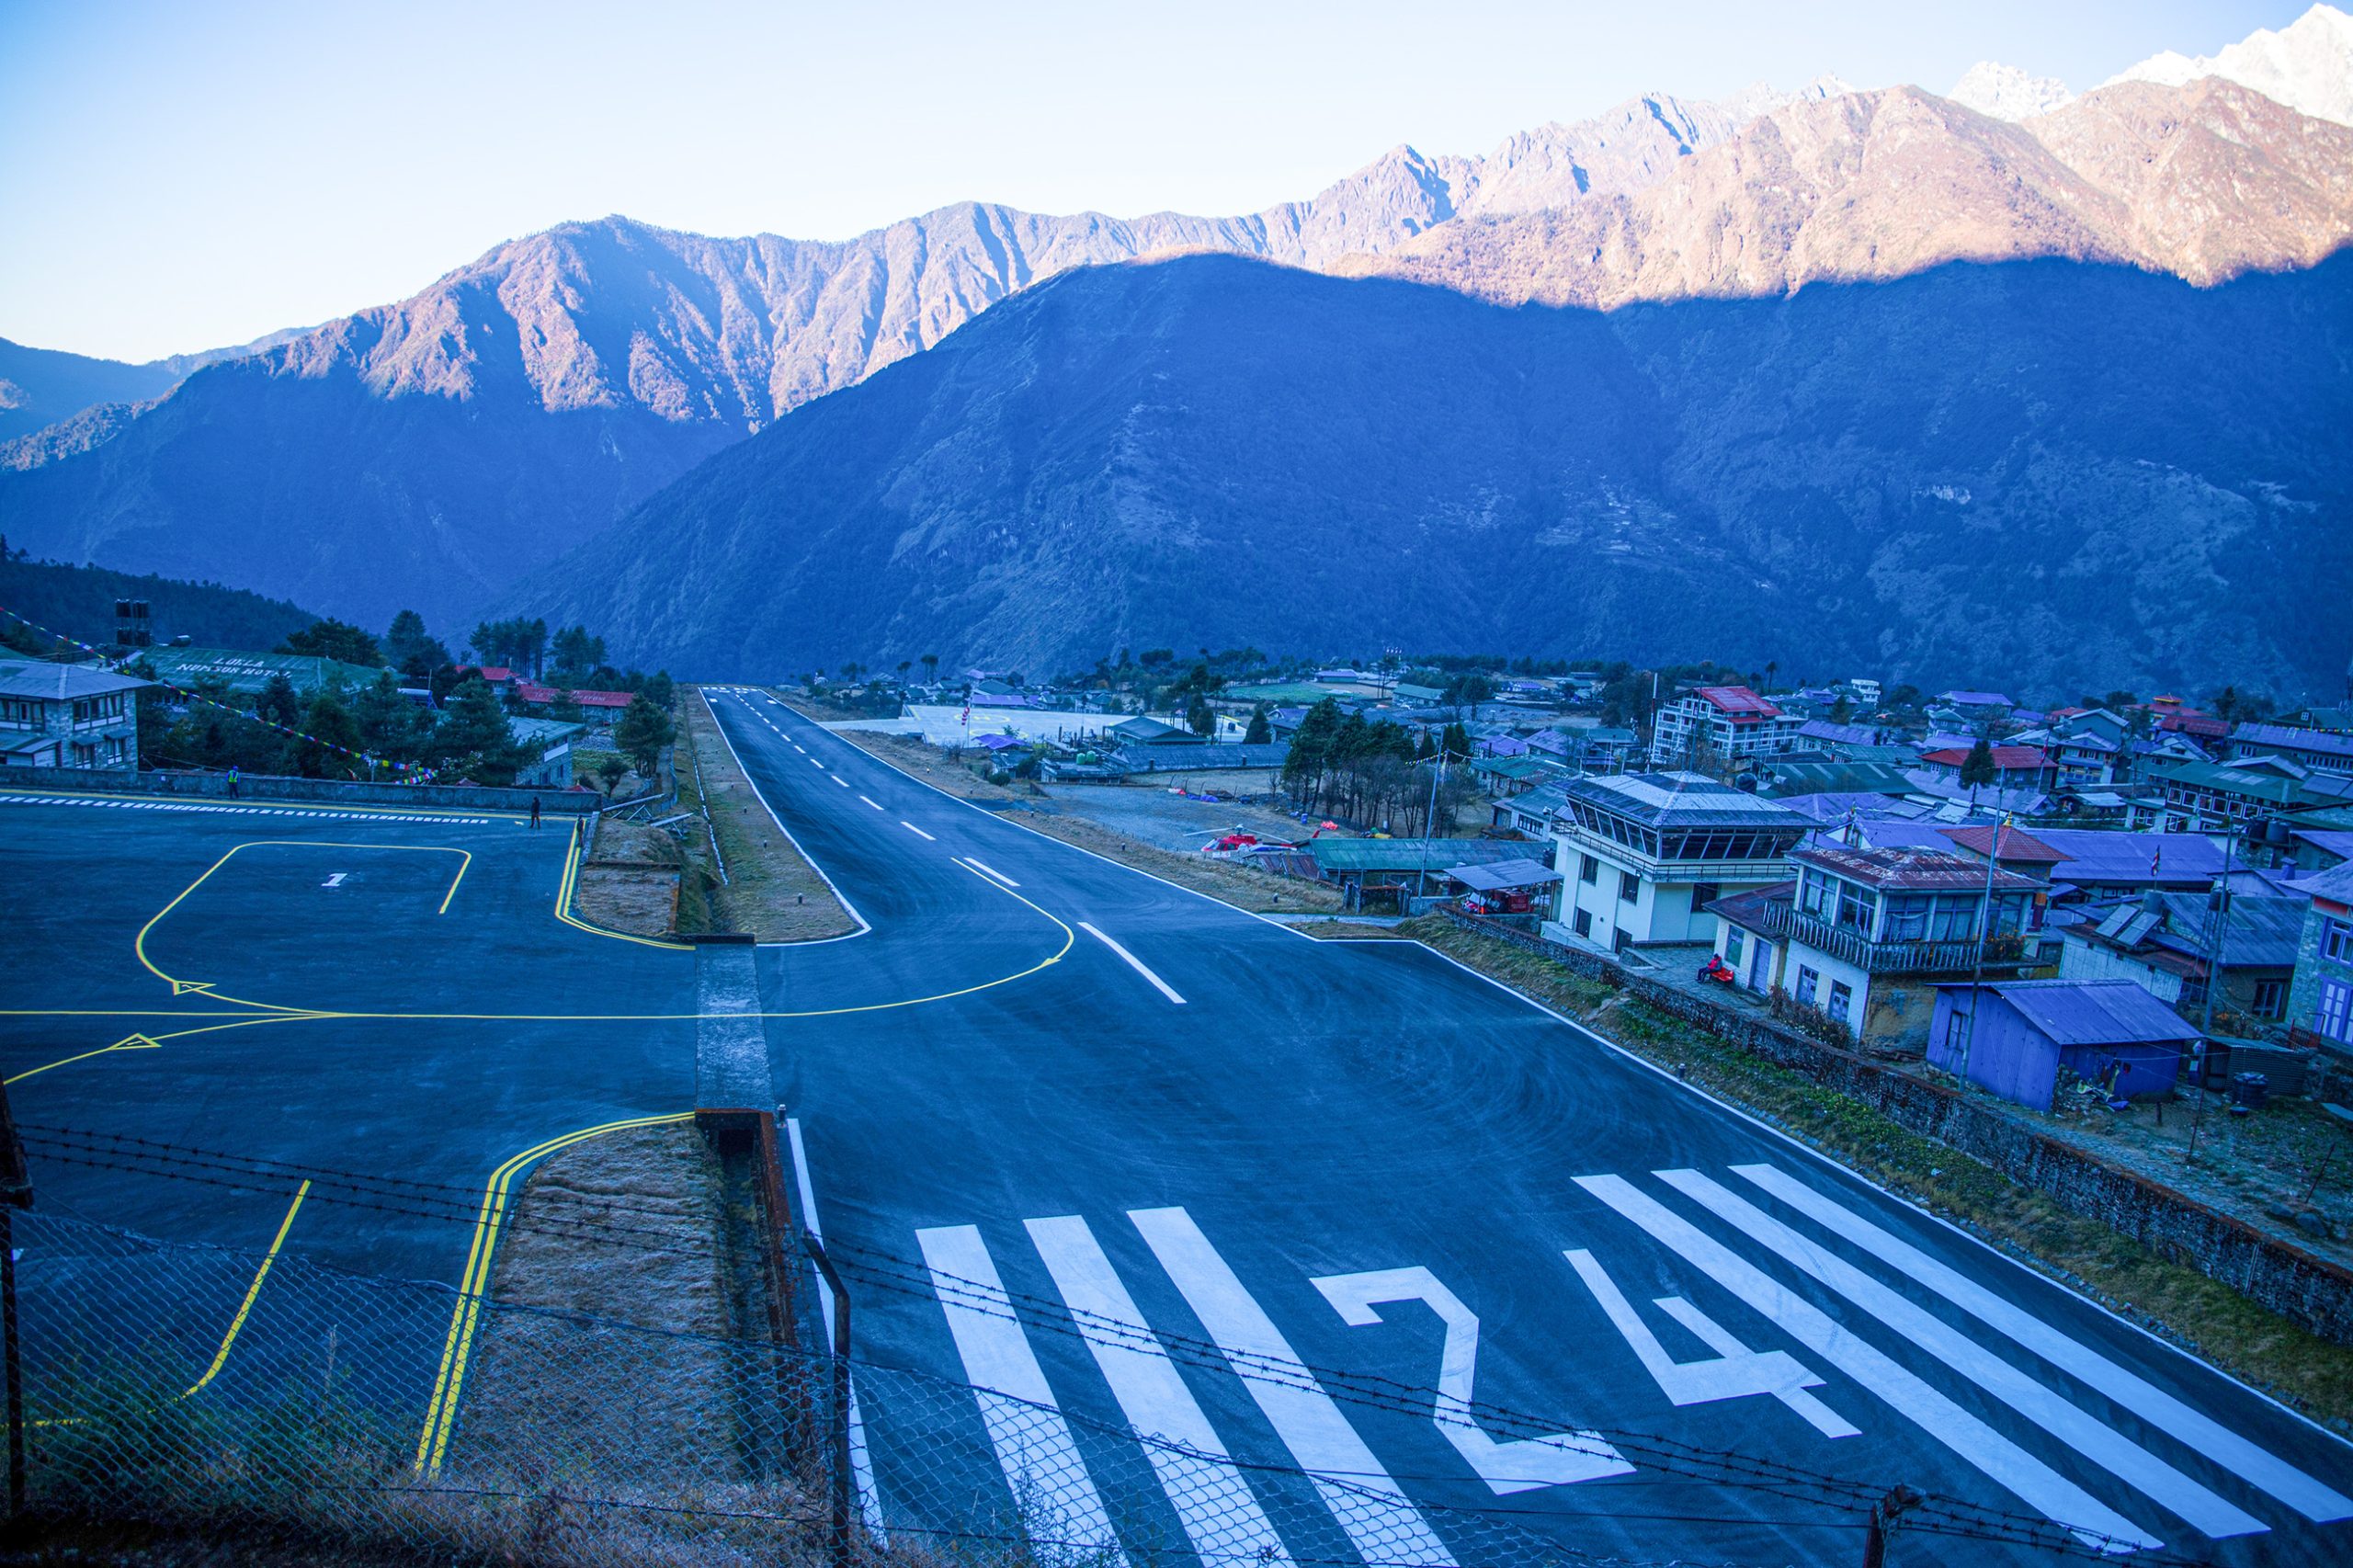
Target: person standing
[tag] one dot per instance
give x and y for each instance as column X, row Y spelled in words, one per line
column 535, row 813
column 232, row 781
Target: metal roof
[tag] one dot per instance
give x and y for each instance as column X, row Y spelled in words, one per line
column 1504, row 874
column 1358, row 855
column 2335, row 884
column 1679, row 800
column 1838, row 805
column 248, row 673
column 2015, row 845
column 2092, row 1012
column 60, row 683
column 1906, row 868
column 2139, row 859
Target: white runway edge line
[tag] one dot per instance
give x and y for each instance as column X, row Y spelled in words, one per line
column 1033, row 1442
column 990, row 871
column 1380, row 1521
column 1220, row 1516
column 2226, row 1447
column 2000, row 1460
column 861, row 1469
column 864, row 925
column 2105, row 1446
column 1134, row 963
column 917, row 831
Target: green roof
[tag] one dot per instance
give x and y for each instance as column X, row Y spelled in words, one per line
column 1280, row 692
column 1358, row 855
column 2260, row 785
column 248, row 673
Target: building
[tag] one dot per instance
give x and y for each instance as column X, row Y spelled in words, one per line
column 2320, row 996
column 600, row 707
column 1976, row 706
column 1502, row 777
column 2213, row 797
column 2314, row 749
column 1865, row 936
column 247, row 673
column 2015, row 767
column 1844, row 742
column 2166, row 943
column 1643, row 855
column 2100, row 865
column 2015, row 1037
column 1143, row 730
column 1865, row 690
column 1388, row 871
column 1730, row 724
column 67, row 715
column 553, row 738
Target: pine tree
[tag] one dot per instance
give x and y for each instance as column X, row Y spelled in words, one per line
column 474, row 735
column 1261, row 733
column 1200, row 717
column 1977, row 768
column 644, row 729
column 329, row 738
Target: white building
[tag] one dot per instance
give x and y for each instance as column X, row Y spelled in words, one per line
column 1640, row 855
column 67, row 716
column 1729, row 723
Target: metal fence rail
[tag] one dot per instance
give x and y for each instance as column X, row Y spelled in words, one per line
column 193, row 1386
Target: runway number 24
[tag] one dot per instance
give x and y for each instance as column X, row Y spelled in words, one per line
column 1559, row 1459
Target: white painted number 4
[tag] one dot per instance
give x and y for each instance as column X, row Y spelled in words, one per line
column 1518, row 1466
column 1734, row 1372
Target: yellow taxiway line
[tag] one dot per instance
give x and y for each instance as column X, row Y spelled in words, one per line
column 221, row 1357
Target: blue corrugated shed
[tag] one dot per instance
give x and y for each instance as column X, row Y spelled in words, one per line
column 2094, row 1012
column 2137, row 860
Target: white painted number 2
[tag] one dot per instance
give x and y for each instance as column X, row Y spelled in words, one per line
column 1735, row 1372
column 1519, row 1465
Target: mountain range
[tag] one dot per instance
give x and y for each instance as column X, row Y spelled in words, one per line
column 2082, row 472
column 434, row 451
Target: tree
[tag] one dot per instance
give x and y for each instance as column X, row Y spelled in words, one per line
column 1842, row 709
column 333, row 639
column 391, row 726
column 1200, row 717
column 1311, row 749
column 277, row 703
column 1260, row 732
column 577, row 654
column 659, row 689
column 474, row 735
column 644, row 729
column 409, row 649
column 1977, row 768
column 930, row 668
column 329, row 737
column 1455, row 742
column 1468, row 690
column 613, row 769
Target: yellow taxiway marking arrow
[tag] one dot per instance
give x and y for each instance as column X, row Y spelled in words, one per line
column 182, row 987
column 129, row 1042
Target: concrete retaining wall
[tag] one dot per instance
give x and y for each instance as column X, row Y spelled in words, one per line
column 2305, row 1288
column 324, row 792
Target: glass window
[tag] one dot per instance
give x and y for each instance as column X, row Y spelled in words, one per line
column 1630, row 887
column 2270, row 999
column 1842, row 1000
column 1736, row 942
column 1584, row 923
column 1705, row 894
column 1814, row 893
column 2333, row 1017
column 1857, row 906
column 1953, row 920
column 1588, row 868
column 1808, row 983
column 2336, row 941
column 1907, row 917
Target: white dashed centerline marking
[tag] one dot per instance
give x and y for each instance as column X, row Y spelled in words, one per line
column 838, row 779
column 1134, row 963
column 814, row 763
column 918, row 832
column 990, row 871
column 870, row 801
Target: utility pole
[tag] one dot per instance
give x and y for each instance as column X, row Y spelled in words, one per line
column 1984, row 934
column 1430, row 821
column 1884, row 1514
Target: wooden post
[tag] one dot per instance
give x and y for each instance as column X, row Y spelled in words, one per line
column 1884, row 1514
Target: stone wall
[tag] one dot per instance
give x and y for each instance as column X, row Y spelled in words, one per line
column 2305, row 1288
column 329, row 791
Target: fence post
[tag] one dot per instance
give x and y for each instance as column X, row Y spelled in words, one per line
column 15, row 1192
column 1884, row 1513
column 845, row 1479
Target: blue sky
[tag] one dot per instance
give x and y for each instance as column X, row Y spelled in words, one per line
column 179, row 177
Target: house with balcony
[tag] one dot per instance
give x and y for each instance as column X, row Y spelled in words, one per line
column 1728, row 723
column 2240, row 945
column 1643, row 855
column 1864, row 936
column 67, row 715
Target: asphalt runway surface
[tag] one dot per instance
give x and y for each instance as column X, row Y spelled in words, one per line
column 1110, row 1148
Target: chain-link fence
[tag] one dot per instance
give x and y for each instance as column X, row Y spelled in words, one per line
column 189, row 1386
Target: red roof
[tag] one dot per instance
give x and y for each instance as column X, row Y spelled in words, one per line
column 602, row 698
column 2009, row 759
column 2015, row 845
column 1738, row 702
column 494, row 672
column 2190, row 723
column 530, row 693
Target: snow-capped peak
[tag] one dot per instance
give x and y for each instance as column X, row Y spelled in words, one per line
column 2308, row 66
column 2005, row 92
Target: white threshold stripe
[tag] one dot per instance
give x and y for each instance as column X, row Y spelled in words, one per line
column 1033, row 1442
column 1220, row 1516
column 2096, row 1441
column 917, row 831
column 1373, row 1511
column 990, row 871
column 2255, row 1465
column 1134, row 962
column 861, row 1467
column 1995, row 1456
column 870, row 801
